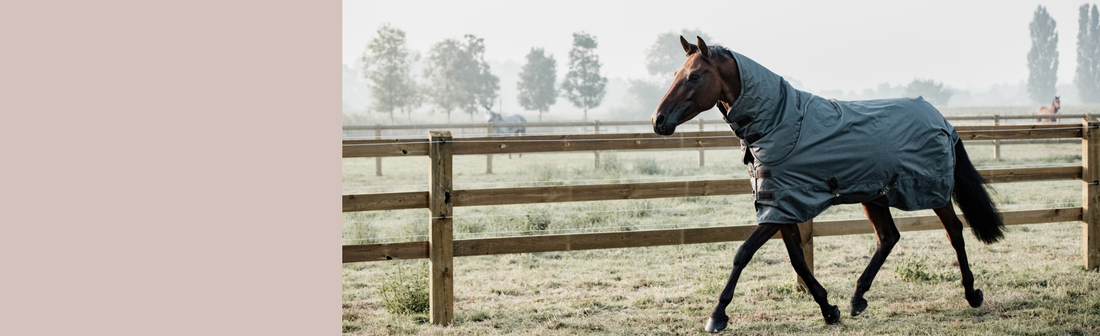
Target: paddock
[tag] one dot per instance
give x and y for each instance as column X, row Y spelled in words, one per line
column 441, row 198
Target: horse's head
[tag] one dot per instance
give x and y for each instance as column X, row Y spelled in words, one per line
column 697, row 86
column 490, row 115
column 1057, row 103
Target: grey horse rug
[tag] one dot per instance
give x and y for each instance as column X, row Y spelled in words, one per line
column 806, row 153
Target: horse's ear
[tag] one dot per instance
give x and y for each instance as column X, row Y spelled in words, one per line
column 688, row 48
column 703, row 47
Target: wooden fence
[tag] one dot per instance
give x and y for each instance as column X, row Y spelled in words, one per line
column 440, row 199
column 700, row 122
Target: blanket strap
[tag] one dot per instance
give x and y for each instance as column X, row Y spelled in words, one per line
column 752, row 138
column 888, row 184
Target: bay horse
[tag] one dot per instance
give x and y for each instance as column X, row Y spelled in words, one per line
column 1052, row 110
column 805, row 153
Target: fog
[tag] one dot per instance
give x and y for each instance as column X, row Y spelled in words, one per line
column 846, row 50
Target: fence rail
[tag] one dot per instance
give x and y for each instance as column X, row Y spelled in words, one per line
column 637, row 141
column 700, row 122
column 440, row 199
column 624, row 191
column 606, row 240
column 991, row 117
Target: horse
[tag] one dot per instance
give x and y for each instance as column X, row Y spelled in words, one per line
column 1052, row 110
column 805, row 153
column 497, row 119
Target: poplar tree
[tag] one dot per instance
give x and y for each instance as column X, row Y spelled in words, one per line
column 386, row 64
column 583, row 85
column 1042, row 60
column 1087, row 77
column 459, row 76
column 537, row 82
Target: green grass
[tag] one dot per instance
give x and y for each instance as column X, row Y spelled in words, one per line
column 1033, row 280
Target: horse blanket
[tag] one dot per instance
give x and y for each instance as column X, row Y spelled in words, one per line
column 806, row 153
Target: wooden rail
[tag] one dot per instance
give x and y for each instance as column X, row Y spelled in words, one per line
column 441, row 199
column 607, row 240
column 647, row 122
column 645, row 190
column 637, row 141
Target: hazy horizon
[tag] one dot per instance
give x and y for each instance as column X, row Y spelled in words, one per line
column 850, row 46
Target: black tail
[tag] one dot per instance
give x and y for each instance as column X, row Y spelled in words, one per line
column 973, row 200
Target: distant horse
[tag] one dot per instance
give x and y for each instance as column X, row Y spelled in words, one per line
column 1052, row 110
column 806, row 153
column 497, row 119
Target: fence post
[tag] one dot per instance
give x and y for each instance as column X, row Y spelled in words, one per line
column 996, row 143
column 489, row 157
column 596, row 130
column 700, row 148
column 1090, row 174
column 806, row 231
column 440, row 237
column 378, row 160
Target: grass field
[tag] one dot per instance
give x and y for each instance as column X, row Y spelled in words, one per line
column 1033, row 281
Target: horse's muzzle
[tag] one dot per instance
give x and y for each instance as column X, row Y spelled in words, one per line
column 662, row 126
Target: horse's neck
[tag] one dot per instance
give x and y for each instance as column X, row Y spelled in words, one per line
column 731, row 76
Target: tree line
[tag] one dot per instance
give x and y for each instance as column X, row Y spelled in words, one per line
column 1042, row 59
column 456, row 77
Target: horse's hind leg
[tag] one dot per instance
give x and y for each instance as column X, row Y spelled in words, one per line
column 954, row 229
column 888, row 235
column 763, row 232
column 793, row 240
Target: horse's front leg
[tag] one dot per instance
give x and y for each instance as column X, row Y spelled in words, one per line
column 954, row 229
column 718, row 318
column 792, row 238
column 887, row 234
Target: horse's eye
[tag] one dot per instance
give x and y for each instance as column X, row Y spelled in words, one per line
column 693, row 77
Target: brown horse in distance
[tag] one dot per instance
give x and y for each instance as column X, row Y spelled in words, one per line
column 1052, row 110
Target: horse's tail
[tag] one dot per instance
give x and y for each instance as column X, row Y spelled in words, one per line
column 974, row 201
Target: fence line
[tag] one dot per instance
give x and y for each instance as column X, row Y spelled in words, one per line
column 491, row 130
column 990, row 117
column 839, row 216
column 441, row 198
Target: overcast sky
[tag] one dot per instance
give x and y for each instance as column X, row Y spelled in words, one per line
column 825, row 45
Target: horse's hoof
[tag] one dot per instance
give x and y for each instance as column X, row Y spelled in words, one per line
column 832, row 316
column 715, row 326
column 975, row 299
column 858, row 306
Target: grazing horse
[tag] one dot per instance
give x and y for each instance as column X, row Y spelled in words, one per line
column 497, row 119
column 806, row 153
column 1052, row 110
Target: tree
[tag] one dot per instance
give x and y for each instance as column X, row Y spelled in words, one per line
column 583, row 85
column 442, row 72
column 482, row 83
column 1042, row 60
column 666, row 54
column 387, row 63
column 1087, row 77
column 537, row 82
column 460, row 77
column 930, row 90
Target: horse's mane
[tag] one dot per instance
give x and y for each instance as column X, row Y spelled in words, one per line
column 720, row 53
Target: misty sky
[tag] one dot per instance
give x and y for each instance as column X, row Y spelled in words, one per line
column 825, row 45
